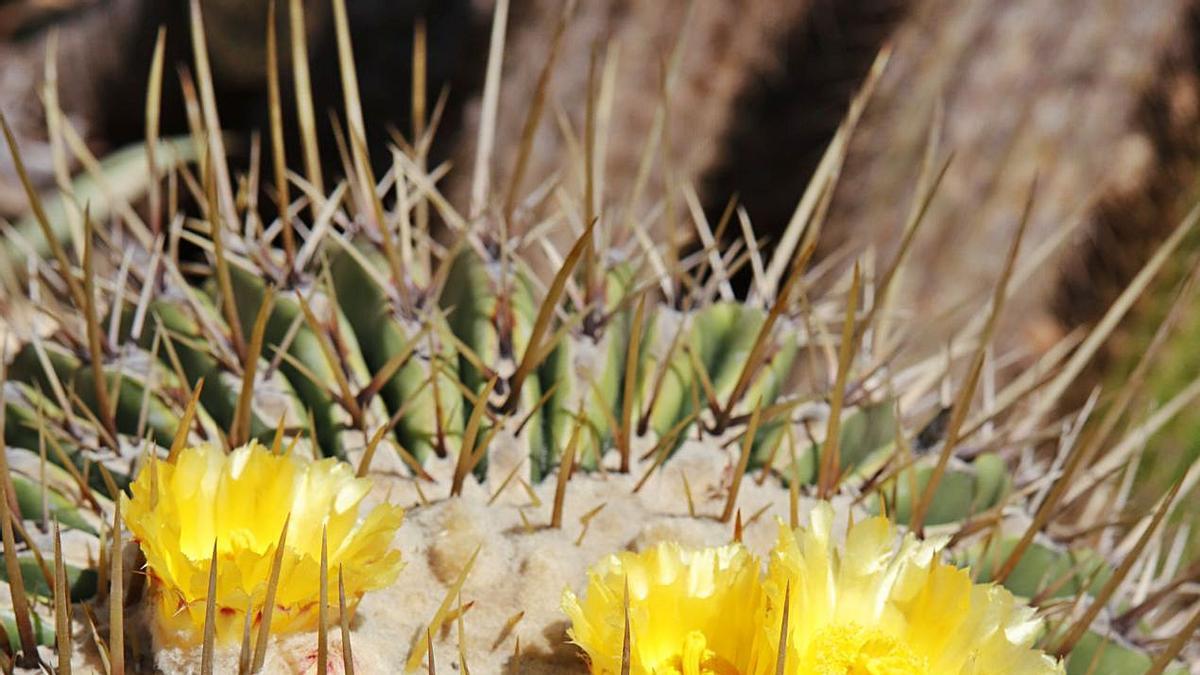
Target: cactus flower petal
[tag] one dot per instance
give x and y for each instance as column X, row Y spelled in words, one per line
column 241, row 500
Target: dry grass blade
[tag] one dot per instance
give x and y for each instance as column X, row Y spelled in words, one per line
column 781, row 658
column 54, row 127
column 534, row 117
column 116, row 597
column 421, row 136
column 466, row 452
column 663, row 447
column 916, row 216
column 35, row 203
column 481, row 179
column 626, row 655
column 278, row 154
column 505, row 483
column 153, row 110
column 344, row 620
column 210, row 617
column 94, row 633
column 368, row 456
column 962, row 404
column 364, row 463
column 506, row 630
column 439, row 617
column 823, row 178
column 1100, row 600
column 793, row 504
column 244, row 653
column 304, row 99
column 394, row 364
column 224, row 282
column 38, row 558
column 420, row 58
column 703, row 377
column 709, row 241
column 264, row 627
column 1175, row 646
column 104, row 410
column 743, row 460
column 349, row 78
column 660, row 377
column 64, row 460
column 1098, row 335
column 755, row 357
column 461, row 633
column 668, row 76
column 56, row 386
column 62, row 606
column 590, row 269
column 1086, row 448
column 565, row 469
column 323, row 608
column 830, row 452
column 624, row 440
column 1131, row 616
column 533, row 350
column 242, row 415
column 16, row 584
column 430, row 666
column 185, row 422
column 218, row 162
column 335, row 365
column 115, row 201
column 277, row 439
column 358, row 139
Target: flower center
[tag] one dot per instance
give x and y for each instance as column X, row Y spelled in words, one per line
column 695, row 658
column 851, row 649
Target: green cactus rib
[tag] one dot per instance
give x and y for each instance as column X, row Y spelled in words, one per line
column 219, row 395
column 306, row 370
column 58, row 506
column 133, row 390
column 964, row 491
column 422, row 386
column 492, row 316
column 81, row 581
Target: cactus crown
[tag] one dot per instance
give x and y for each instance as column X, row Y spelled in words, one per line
column 347, row 327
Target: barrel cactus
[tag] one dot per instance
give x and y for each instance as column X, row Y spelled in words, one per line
column 538, row 440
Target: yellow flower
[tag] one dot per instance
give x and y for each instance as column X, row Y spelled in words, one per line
column 690, row 612
column 241, row 501
column 873, row 604
column 875, row 607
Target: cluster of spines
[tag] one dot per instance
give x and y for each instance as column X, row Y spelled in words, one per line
column 722, row 369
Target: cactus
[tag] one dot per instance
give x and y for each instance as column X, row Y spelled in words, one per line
column 529, row 419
